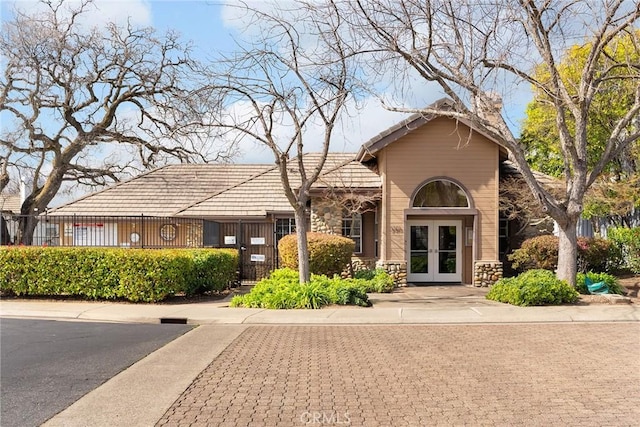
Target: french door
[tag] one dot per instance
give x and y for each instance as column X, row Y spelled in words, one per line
column 434, row 251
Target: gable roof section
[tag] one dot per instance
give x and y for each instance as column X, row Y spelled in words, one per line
column 215, row 190
column 369, row 149
column 347, row 173
column 263, row 194
column 508, row 169
column 162, row 191
column 254, row 197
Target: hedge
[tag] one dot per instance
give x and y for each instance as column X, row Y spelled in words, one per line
column 328, row 254
column 148, row 275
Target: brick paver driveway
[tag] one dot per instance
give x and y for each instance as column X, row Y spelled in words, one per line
column 518, row 374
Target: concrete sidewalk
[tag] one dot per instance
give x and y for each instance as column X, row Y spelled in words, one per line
column 410, row 306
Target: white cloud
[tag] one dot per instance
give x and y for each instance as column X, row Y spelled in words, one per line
column 358, row 124
column 237, row 14
column 100, row 12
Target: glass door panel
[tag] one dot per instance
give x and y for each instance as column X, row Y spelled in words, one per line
column 447, row 249
column 419, row 249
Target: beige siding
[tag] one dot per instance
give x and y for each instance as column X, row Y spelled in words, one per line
column 385, row 225
column 440, row 148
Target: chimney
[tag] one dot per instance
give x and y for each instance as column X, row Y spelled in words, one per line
column 23, row 192
column 488, row 106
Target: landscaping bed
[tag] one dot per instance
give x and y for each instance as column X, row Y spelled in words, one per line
column 631, row 283
column 283, row 290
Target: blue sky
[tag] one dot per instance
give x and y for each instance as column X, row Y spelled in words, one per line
column 209, row 26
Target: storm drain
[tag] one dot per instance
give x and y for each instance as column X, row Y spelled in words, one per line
column 174, row 320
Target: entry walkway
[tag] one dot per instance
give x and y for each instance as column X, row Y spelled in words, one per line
column 443, row 295
column 377, row 375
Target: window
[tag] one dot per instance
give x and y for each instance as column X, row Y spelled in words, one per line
column 440, row 194
column 168, row 232
column 284, row 227
column 352, row 228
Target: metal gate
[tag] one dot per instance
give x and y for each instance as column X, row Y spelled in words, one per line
column 255, row 243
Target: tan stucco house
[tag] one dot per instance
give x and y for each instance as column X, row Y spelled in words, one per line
column 420, row 199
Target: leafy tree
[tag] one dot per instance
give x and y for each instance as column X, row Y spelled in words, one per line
column 477, row 52
column 67, row 92
column 615, row 200
column 616, row 193
column 610, row 103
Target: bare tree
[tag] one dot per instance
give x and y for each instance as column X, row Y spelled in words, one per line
column 348, row 191
column 68, row 92
column 471, row 50
column 293, row 81
column 4, row 172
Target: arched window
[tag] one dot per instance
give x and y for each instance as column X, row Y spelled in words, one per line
column 440, row 193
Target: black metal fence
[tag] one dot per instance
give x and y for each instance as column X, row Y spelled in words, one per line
column 121, row 231
column 256, row 242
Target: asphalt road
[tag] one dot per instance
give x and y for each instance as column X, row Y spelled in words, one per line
column 47, row 365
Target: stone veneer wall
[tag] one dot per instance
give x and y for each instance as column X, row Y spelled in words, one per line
column 486, row 273
column 397, row 270
column 357, row 264
column 360, row 263
column 326, row 217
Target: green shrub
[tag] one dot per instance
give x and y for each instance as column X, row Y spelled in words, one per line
column 596, row 254
column 541, row 252
column 377, row 280
column 285, row 275
column 282, row 290
column 345, row 291
column 365, row 273
column 328, row 254
column 627, row 241
column 611, row 281
column 534, row 287
column 148, row 275
column 351, row 294
column 275, row 292
column 312, row 295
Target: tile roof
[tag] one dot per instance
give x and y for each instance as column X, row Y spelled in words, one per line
column 213, row 190
column 162, row 191
column 263, row 193
column 10, row 203
column 347, row 173
column 509, row 169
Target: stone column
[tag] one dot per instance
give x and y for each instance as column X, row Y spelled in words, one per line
column 486, row 273
column 397, row 270
column 326, row 217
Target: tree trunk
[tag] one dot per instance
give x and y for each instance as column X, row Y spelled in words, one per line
column 26, row 228
column 5, row 238
column 303, row 247
column 568, row 250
